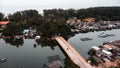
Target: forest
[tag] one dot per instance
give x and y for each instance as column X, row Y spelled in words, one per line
column 53, row 21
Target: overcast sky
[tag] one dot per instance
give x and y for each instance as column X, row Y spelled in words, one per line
column 10, row 6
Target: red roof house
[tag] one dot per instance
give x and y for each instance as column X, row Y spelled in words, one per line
column 3, row 23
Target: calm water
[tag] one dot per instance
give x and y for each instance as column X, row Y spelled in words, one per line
column 26, row 54
column 84, row 46
column 34, row 57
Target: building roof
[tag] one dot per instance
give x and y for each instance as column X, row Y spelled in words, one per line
column 106, row 52
column 26, row 31
column 95, row 47
column 4, row 22
column 108, row 46
column 116, row 42
column 89, row 20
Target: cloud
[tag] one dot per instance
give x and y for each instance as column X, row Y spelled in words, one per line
column 16, row 5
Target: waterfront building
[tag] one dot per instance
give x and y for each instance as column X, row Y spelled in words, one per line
column 3, row 23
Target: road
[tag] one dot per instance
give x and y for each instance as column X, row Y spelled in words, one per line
column 72, row 53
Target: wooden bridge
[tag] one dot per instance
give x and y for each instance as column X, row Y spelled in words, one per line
column 72, row 53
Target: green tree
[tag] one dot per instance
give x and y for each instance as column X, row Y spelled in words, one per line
column 12, row 29
column 1, row 16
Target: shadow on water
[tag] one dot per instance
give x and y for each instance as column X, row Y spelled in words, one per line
column 52, row 43
column 13, row 42
column 69, row 64
column 44, row 42
column 67, row 61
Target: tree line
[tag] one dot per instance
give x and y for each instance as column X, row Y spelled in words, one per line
column 53, row 21
column 99, row 13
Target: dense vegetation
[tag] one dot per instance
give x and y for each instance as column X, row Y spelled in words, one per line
column 53, row 21
column 1, row 16
column 100, row 13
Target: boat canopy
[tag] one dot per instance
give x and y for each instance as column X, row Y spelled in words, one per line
column 96, row 48
column 107, row 52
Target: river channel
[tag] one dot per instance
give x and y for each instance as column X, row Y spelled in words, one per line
column 30, row 56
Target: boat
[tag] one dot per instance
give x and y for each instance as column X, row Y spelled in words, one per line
column 3, row 60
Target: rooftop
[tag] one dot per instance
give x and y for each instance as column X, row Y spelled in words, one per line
column 4, row 22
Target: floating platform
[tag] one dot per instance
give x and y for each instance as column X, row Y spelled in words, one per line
column 106, row 35
column 86, row 39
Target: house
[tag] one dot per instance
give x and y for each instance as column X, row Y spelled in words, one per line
column 98, row 50
column 107, row 53
column 108, row 46
column 32, row 32
column 111, row 26
column 29, row 32
column 26, row 32
column 89, row 20
column 78, row 21
column 113, row 45
column 71, row 21
column 117, row 43
column 3, row 23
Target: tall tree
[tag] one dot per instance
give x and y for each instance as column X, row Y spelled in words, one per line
column 1, row 16
column 12, row 29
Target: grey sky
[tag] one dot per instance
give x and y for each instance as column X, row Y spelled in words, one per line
column 10, row 6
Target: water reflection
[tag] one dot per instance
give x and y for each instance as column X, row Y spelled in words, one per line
column 34, row 45
column 46, row 42
column 14, row 42
column 43, row 42
column 67, row 61
column 69, row 64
